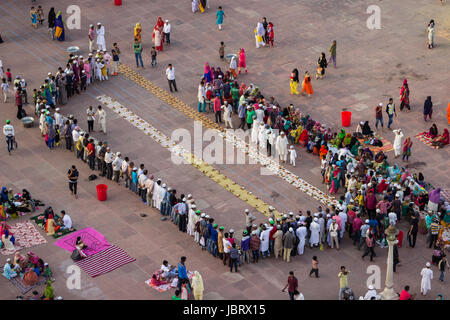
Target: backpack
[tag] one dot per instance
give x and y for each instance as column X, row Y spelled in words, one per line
column 92, row 177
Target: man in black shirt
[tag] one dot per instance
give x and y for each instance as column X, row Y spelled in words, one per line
column 72, row 174
column 413, row 229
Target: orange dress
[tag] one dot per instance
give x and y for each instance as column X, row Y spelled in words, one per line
column 306, row 85
column 448, row 113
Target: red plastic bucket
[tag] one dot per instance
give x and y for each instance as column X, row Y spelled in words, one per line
column 346, row 118
column 118, row 2
column 101, row 192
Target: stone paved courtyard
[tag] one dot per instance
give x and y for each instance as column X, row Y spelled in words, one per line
column 371, row 68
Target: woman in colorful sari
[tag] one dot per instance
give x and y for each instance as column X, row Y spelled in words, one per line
column 323, row 152
column 303, row 139
column 202, row 5
column 335, row 179
column 157, row 35
column 208, row 73
column 382, row 186
column 294, row 82
column 242, row 62
column 50, row 226
column 138, row 32
column 30, row 278
column 59, row 24
column 404, row 95
column 442, row 140
column 347, row 140
column 48, row 292
column 306, row 85
column 407, row 149
column 233, row 67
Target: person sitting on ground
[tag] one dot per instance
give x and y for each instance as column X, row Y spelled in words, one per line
column 177, row 295
column 169, row 271
column 30, row 278
column 47, row 272
column 433, row 132
column 35, row 296
column 48, row 292
column 8, row 270
column 50, row 225
column 65, row 221
column 366, row 131
column 78, row 253
column 442, row 140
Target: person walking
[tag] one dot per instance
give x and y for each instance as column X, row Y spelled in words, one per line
column 294, row 82
column 379, row 115
column 170, row 73
column 182, row 272
column 137, row 47
column 333, row 53
column 443, row 266
column 242, row 61
column 5, row 87
column 72, row 174
column 197, row 286
column 427, row 108
column 427, row 276
column 315, row 267
column 8, row 131
column 343, row 281
column 291, row 285
column 90, row 119
column 51, row 18
column 430, row 31
column 404, row 96
column 91, row 36
column 116, row 59
column 166, row 30
column 370, row 243
column 102, row 118
column 390, row 110
column 407, row 149
column 219, row 16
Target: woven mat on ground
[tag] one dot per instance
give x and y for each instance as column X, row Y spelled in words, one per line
column 26, row 236
column 424, row 139
column 167, row 286
column 24, row 288
column 39, row 219
column 94, row 240
column 105, row 261
column 387, row 146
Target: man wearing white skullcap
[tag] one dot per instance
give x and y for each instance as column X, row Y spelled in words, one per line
column 8, row 270
column 288, row 241
column 427, row 275
column 314, row 228
column 301, row 233
column 371, row 293
column 101, row 44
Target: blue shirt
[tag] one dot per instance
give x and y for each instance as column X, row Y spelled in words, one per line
column 214, row 235
column 182, row 274
column 242, row 111
column 134, row 177
column 219, row 16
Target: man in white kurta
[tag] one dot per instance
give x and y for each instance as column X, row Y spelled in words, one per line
column 101, row 44
column 315, row 233
column 292, row 155
column 262, row 138
column 255, row 131
column 301, row 233
column 427, row 275
column 102, row 119
column 264, row 248
column 192, row 220
column 398, row 142
column 281, row 146
column 156, row 199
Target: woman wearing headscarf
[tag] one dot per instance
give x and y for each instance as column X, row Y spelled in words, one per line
column 259, row 35
column 442, row 140
column 30, row 277
column 366, row 131
column 59, row 31
column 157, row 36
column 197, row 286
column 138, row 32
column 50, row 225
column 404, row 95
column 48, row 292
column 321, row 65
column 208, row 73
column 306, row 85
column 242, row 62
column 433, row 132
column 430, row 30
column 294, row 82
column 270, row 34
column 4, row 195
column 427, row 108
column 448, row 113
column 233, row 66
column 407, row 149
column 51, row 22
column 335, row 179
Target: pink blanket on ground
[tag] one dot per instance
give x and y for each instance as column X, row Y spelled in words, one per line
column 94, row 240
